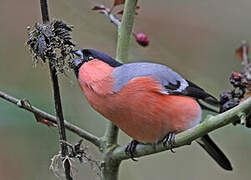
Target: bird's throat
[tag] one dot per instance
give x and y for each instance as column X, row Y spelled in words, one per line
column 94, row 71
column 96, row 76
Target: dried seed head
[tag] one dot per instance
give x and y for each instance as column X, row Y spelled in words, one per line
column 237, row 79
column 51, row 42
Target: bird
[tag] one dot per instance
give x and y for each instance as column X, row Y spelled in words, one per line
column 150, row 102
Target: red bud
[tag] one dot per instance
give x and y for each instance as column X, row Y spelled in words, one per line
column 142, row 39
column 236, row 76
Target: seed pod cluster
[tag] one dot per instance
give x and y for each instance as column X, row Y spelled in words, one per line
column 235, row 96
column 232, row 98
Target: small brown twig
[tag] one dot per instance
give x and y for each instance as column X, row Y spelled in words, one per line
column 112, row 18
column 140, row 38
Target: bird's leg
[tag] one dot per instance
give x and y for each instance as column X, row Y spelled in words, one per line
column 131, row 148
column 170, row 139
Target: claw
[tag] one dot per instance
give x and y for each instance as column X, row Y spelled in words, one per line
column 131, row 148
column 170, row 139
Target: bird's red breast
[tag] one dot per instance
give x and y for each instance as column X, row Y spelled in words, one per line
column 140, row 108
column 96, row 75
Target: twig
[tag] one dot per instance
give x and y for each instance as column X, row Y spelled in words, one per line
column 57, row 100
column 71, row 127
column 140, row 38
column 112, row 18
column 186, row 137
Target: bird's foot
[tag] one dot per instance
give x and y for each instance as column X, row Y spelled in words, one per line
column 131, row 148
column 169, row 141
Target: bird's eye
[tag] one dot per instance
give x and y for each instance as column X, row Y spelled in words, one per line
column 90, row 58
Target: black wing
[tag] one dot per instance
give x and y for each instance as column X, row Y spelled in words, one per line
column 194, row 91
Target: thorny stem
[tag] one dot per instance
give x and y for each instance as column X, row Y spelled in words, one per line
column 57, row 100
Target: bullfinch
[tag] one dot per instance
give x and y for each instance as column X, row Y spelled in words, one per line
column 150, row 102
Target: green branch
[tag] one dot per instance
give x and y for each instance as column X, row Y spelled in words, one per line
column 125, row 30
column 111, row 167
column 186, row 137
column 123, row 45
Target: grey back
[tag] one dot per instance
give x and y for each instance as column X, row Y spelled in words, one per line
column 166, row 76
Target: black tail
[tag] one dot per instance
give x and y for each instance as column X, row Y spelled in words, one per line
column 214, row 151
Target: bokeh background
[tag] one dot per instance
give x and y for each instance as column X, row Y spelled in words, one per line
column 196, row 38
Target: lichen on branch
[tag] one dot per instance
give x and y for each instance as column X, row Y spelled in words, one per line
column 51, row 41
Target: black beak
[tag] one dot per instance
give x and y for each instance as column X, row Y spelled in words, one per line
column 79, row 53
column 77, row 62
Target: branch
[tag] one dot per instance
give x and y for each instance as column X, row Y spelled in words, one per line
column 186, row 137
column 57, row 100
column 125, row 30
column 112, row 18
column 123, row 44
column 73, row 128
column 111, row 167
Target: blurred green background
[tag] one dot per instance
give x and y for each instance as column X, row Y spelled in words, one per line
column 196, row 38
